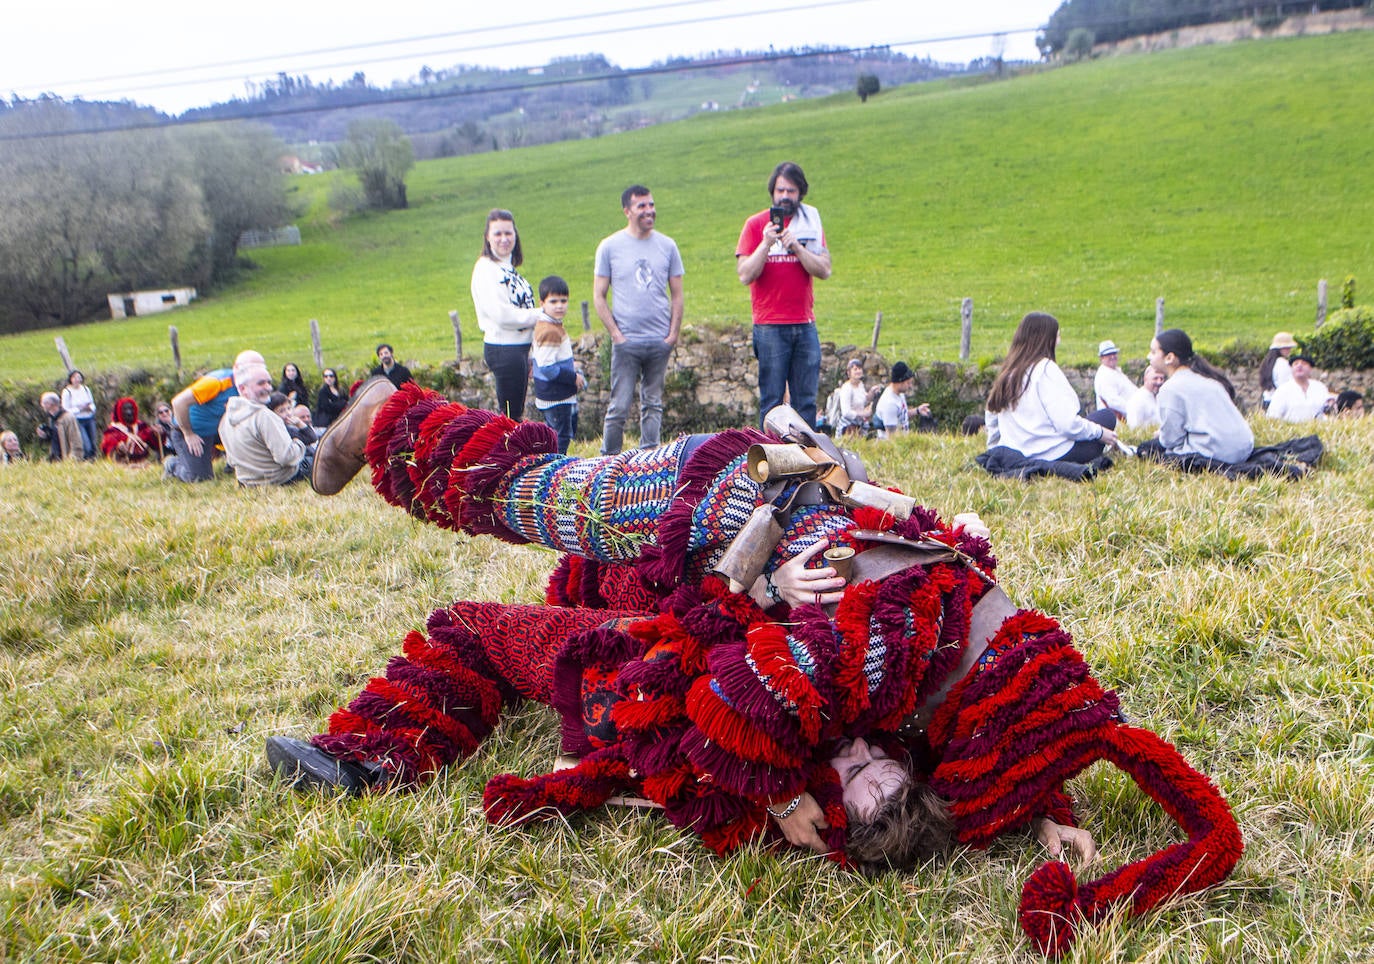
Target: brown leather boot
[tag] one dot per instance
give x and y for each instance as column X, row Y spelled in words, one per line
column 340, row 453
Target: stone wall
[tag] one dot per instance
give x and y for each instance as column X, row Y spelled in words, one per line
column 712, row 384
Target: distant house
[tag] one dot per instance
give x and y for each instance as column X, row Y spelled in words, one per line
column 132, row 304
column 291, row 164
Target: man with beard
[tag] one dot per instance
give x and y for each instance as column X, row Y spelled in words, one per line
column 780, row 250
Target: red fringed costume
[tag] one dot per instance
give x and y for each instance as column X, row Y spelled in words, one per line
column 669, row 686
column 126, row 439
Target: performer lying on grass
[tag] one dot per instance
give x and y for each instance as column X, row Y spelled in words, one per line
column 866, row 719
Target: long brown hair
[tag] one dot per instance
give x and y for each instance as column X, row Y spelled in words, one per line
column 1035, row 339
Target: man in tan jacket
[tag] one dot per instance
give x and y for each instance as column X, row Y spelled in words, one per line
column 255, row 438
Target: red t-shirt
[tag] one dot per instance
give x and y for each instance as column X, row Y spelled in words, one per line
column 782, row 294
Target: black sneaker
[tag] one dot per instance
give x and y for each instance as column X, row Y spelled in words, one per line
column 305, row 765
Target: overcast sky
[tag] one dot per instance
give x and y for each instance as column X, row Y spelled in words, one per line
column 175, row 54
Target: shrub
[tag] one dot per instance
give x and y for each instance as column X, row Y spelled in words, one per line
column 1079, row 44
column 1345, row 341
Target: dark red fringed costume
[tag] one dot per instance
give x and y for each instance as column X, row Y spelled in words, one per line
column 671, row 687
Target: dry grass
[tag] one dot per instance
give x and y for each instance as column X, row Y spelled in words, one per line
column 151, row 636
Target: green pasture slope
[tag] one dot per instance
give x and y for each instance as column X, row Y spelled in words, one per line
column 1228, row 180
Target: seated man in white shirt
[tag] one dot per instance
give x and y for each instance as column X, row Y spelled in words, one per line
column 891, row 410
column 1112, row 386
column 1142, row 408
column 1302, row 398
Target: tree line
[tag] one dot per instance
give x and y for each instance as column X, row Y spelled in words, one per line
column 84, row 215
column 470, row 109
column 1107, row 21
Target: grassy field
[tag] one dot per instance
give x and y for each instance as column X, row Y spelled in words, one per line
column 152, row 635
column 1228, row 180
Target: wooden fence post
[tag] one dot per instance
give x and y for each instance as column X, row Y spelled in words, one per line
column 176, row 348
column 586, row 318
column 965, row 329
column 66, row 356
column 1159, row 316
column 315, row 343
column 877, row 330
column 1321, row 302
column 457, row 335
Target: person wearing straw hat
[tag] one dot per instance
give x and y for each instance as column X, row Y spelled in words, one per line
column 1275, row 369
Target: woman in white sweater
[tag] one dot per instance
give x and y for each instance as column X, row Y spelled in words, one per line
column 1032, row 408
column 506, row 311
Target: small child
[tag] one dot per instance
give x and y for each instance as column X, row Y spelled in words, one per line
column 556, row 379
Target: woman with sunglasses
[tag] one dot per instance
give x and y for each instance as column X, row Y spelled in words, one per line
column 330, row 400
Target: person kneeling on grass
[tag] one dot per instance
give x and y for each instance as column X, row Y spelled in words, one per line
column 869, row 717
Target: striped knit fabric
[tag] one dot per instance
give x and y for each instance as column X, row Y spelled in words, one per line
column 481, row 472
column 732, row 710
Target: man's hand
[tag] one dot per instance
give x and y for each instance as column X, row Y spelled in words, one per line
column 1055, row 837
column 923, row 409
column 800, row 585
column 803, row 825
column 194, row 444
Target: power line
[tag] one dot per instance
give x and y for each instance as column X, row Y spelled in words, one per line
column 581, row 35
column 421, row 38
column 521, row 86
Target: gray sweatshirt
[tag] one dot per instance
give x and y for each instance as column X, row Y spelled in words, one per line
column 1197, row 417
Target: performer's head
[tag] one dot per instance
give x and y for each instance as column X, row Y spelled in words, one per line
column 895, row 821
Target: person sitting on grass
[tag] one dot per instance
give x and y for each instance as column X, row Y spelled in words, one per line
column 745, row 706
column 60, row 430
column 854, row 405
column 10, row 449
column 556, row 378
column 892, row 412
column 197, row 410
column 1200, row 426
column 1302, row 398
column 1349, row 404
column 1142, row 408
column 128, row 439
column 1033, row 421
column 256, row 442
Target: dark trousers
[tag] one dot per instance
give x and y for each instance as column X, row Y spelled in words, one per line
column 510, row 368
column 1085, row 450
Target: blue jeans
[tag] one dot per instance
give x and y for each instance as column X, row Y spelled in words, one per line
column 90, row 438
column 789, row 360
column 188, row 467
column 563, row 420
column 635, row 362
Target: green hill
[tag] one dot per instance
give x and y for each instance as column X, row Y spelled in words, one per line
column 1226, row 179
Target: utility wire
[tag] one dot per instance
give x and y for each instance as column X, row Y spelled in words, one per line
column 580, row 35
column 252, row 114
column 421, row 38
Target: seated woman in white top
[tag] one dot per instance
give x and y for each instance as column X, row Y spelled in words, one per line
column 1033, row 409
column 855, row 408
column 1197, row 409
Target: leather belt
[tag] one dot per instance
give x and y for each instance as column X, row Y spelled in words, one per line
column 989, row 614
